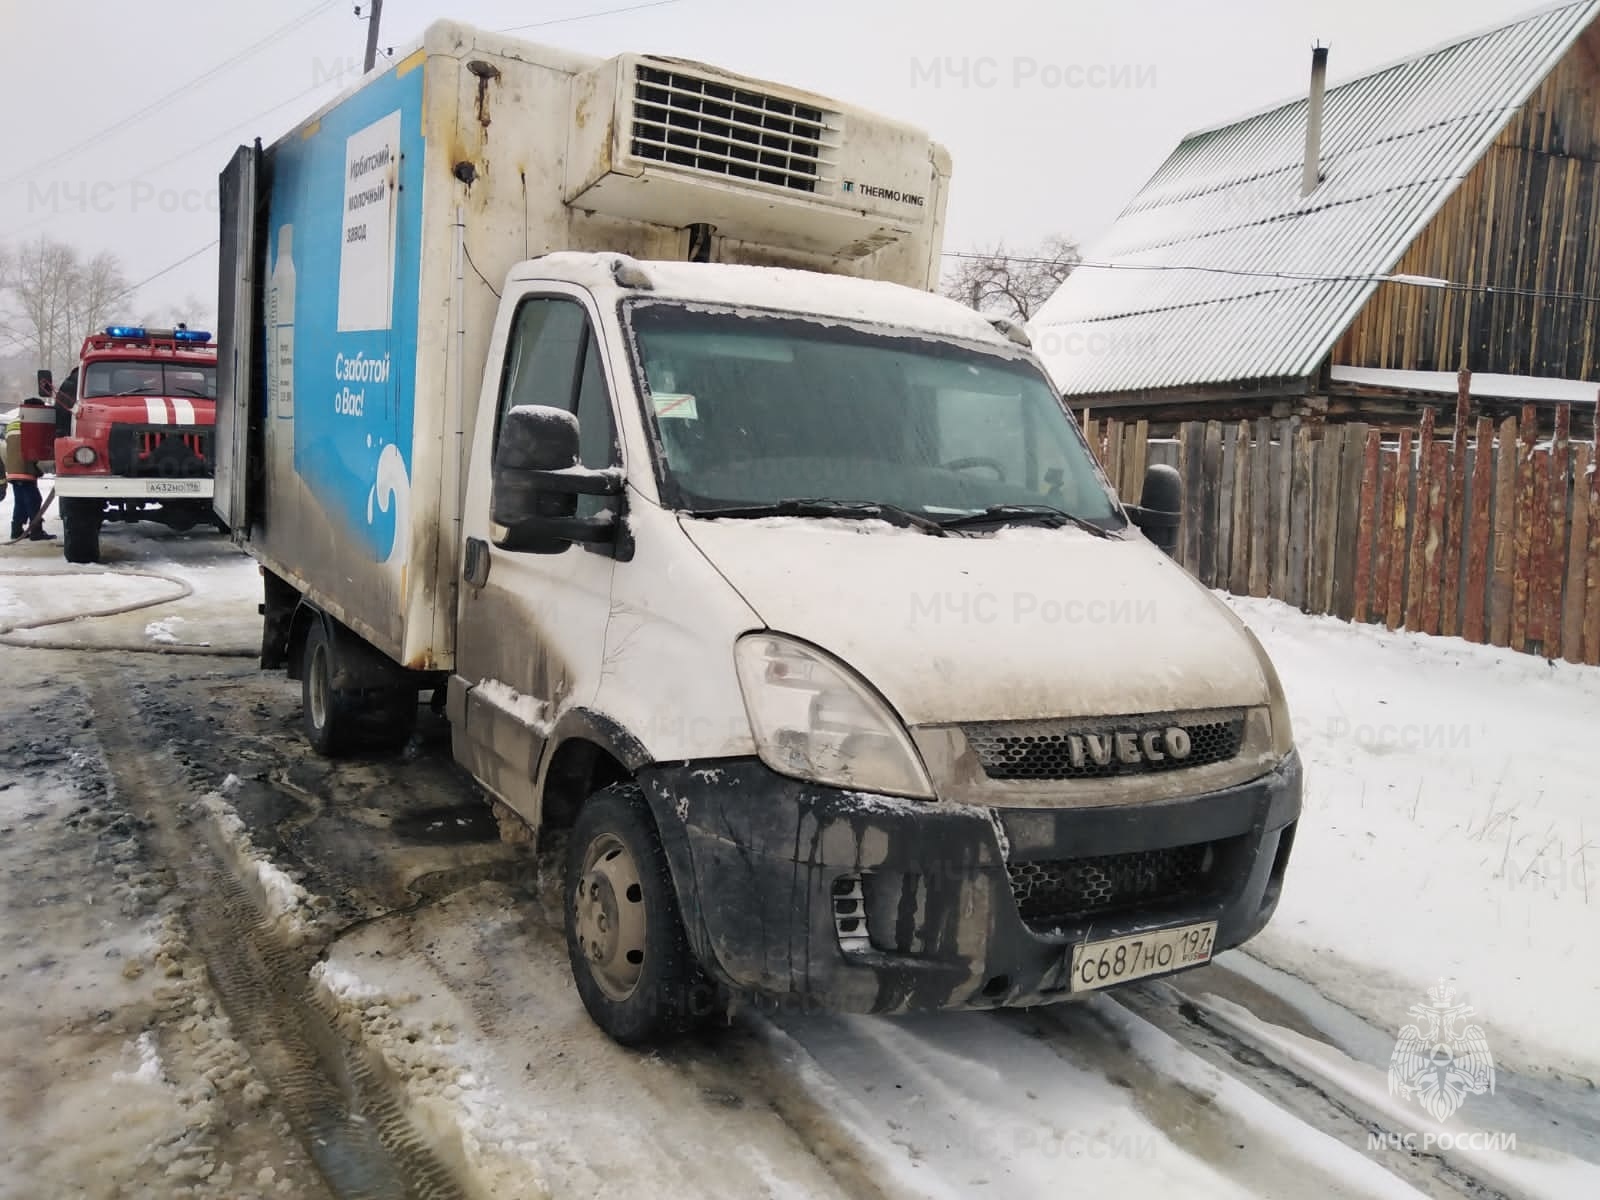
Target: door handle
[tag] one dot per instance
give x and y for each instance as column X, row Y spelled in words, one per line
column 476, row 568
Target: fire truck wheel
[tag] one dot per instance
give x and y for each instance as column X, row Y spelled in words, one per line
column 80, row 529
column 327, row 713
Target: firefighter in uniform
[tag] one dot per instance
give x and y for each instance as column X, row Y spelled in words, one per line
column 30, row 440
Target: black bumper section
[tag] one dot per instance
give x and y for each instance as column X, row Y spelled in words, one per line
column 761, row 861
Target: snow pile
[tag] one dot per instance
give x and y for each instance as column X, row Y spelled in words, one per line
column 1451, row 830
column 166, row 632
column 441, row 1079
column 149, row 1070
column 343, row 986
column 1504, row 387
column 287, row 905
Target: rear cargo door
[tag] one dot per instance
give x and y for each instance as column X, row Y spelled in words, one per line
column 238, row 434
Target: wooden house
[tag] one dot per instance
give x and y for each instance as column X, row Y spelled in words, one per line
column 1342, row 256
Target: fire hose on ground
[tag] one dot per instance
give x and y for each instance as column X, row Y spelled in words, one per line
column 181, row 589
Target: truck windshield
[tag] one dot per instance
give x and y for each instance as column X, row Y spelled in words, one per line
column 143, row 377
column 753, row 410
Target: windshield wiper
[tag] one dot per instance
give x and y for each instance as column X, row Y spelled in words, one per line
column 1041, row 513
column 857, row 510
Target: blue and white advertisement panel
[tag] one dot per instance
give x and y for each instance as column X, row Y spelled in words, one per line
column 343, row 261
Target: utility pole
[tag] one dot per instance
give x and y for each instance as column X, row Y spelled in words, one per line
column 374, row 15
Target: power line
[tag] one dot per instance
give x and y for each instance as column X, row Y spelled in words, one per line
column 610, row 12
column 182, row 154
column 193, row 149
column 168, row 269
column 277, row 35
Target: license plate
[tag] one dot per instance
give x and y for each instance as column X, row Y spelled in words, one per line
column 175, row 489
column 1117, row 960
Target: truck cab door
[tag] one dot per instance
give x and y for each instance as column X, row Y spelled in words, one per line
column 530, row 633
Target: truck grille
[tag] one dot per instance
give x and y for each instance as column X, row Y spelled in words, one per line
column 160, row 452
column 1086, row 749
column 712, row 126
column 1054, row 893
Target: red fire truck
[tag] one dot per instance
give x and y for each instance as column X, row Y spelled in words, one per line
column 142, row 428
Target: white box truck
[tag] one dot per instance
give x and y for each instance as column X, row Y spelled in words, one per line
column 610, row 402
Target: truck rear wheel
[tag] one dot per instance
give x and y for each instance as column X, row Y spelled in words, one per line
column 327, row 712
column 630, row 958
column 80, row 529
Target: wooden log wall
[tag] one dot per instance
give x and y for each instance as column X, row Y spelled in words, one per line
column 1487, row 533
column 1525, row 225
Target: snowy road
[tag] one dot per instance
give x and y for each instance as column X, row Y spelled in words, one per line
column 233, row 968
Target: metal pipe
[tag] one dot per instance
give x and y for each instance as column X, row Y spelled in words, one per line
column 1312, row 173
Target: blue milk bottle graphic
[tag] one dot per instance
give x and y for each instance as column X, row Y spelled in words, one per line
column 280, row 326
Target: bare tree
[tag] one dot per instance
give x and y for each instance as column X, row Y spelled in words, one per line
column 1001, row 283
column 100, row 284
column 43, row 278
column 53, row 297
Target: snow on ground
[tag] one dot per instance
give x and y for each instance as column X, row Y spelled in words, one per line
column 119, row 1075
column 1530, row 1171
column 979, row 1105
column 1451, row 831
column 470, row 1002
column 286, row 904
column 156, row 571
column 45, row 594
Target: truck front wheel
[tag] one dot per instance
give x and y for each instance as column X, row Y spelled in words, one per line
column 80, row 529
column 327, row 712
column 630, row 958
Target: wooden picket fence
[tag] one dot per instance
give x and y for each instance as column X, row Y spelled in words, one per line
column 1489, row 533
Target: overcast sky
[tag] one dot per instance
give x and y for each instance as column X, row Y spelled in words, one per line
column 1055, row 111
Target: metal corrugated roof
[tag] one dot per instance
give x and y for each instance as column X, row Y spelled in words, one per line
column 1395, row 144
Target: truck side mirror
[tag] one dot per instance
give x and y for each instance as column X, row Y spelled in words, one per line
column 1160, row 508
column 537, row 482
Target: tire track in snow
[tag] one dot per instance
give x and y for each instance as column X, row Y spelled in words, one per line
column 1160, row 1008
column 333, row 1093
column 752, row 1132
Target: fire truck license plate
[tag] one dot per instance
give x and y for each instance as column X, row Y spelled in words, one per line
column 175, row 487
column 1117, row 960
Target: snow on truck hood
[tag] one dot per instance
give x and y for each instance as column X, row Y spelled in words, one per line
column 1026, row 623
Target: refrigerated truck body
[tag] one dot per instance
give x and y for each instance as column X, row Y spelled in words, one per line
column 610, row 399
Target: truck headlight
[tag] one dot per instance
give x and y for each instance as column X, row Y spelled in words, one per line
column 813, row 719
column 84, row 456
column 1282, row 728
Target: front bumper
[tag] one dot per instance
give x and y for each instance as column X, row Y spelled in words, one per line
column 118, row 487
column 763, row 864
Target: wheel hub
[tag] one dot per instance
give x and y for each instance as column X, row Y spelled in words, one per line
column 610, row 917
